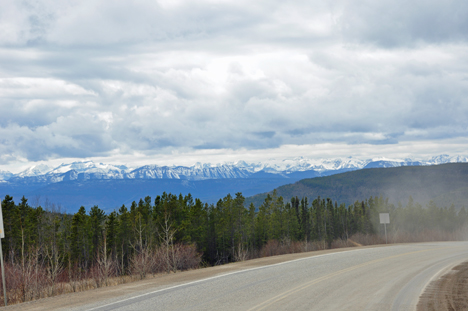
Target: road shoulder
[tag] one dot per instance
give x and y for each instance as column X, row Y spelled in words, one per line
column 449, row 292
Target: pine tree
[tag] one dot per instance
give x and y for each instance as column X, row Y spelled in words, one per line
column 123, row 237
column 111, row 233
column 10, row 226
column 79, row 238
column 96, row 222
column 305, row 218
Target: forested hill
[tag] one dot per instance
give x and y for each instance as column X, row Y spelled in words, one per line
column 446, row 184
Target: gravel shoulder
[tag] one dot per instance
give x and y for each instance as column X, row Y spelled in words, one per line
column 449, row 292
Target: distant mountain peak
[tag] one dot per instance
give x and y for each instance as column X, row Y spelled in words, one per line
column 35, row 170
column 282, row 168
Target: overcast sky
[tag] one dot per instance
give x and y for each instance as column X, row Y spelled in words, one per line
column 176, row 82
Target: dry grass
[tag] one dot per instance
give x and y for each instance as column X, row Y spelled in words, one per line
column 274, row 247
column 33, row 281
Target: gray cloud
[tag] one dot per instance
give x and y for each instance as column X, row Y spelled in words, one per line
column 99, row 78
column 402, row 23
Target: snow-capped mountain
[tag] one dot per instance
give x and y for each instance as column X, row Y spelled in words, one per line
column 445, row 158
column 89, row 167
column 286, row 168
column 87, row 183
column 300, row 164
column 72, row 171
column 35, row 170
column 196, row 172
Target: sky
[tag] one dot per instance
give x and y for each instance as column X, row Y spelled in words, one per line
column 179, row 82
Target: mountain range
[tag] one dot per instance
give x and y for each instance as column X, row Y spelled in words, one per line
column 288, row 168
column 109, row 186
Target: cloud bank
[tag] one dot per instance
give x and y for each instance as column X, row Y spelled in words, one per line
column 106, row 79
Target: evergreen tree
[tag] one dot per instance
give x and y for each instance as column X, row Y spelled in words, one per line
column 96, row 224
column 111, row 232
column 79, row 238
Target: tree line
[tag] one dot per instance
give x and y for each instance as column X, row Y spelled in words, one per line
column 216, row 230
column 176, row 232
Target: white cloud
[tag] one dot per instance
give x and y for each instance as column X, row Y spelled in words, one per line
column 106, row 79
column 19, row 87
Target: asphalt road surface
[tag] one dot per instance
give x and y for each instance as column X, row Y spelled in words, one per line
column 378, row 278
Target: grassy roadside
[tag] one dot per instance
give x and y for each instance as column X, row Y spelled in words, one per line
column 270, row 253
column 67, row 301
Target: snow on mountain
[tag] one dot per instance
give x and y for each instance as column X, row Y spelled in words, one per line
column 445, row 158
column 299, row 164
column 249, row 167
column 89, row 170
column 198, row 171
column 153, row 172
column 73, row 171
column 89, row 167
column 339, row 164
column 35, row 170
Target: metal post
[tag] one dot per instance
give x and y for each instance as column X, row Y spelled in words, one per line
column 385, row 226
column 385, row 219
column 2, row 235
column 3, row 274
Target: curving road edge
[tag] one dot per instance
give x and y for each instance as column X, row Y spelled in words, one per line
column 364, row 278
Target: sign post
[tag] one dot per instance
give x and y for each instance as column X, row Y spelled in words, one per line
column 2, row 235
column 385, row 219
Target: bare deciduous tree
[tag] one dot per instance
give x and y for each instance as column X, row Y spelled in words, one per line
column 141, row 262
column 241, row 253
column 167, row 237
column 54, row 265
column 106, row 265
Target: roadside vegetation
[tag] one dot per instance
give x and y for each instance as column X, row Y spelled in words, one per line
column 48, row 252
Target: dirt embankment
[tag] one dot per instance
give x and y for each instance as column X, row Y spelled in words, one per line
column 450, row 292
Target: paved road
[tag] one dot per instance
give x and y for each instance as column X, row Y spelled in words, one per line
column 378, row 278
column 384, row 278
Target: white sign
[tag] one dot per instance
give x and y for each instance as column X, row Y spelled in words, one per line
column 2, row 233
column 384, row 218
